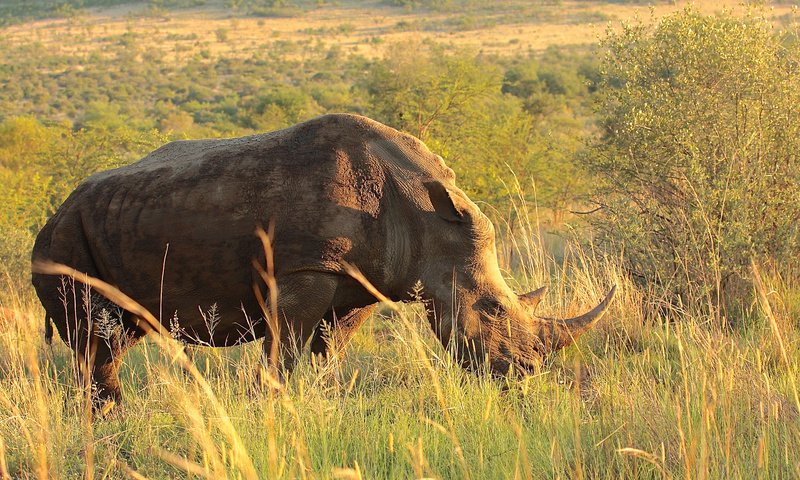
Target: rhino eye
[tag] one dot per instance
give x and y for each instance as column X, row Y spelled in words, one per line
column 491, row 306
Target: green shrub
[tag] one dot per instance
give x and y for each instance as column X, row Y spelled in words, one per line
column 699, row 154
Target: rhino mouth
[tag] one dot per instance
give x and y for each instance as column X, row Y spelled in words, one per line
column 510, row 367
column 515, row 362
column 526, row 366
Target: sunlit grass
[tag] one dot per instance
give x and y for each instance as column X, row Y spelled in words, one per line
column 639, row 397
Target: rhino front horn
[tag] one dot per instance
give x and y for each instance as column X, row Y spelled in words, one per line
column 562, row 333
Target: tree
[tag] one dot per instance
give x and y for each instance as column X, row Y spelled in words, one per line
column 699, row 153
column 554, row 90
column 417, row 92
column 453, row 103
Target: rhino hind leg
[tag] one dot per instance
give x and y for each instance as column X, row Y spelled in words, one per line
column 97, row 341
column 104, row 368
column 333, row 334
column 100, row 355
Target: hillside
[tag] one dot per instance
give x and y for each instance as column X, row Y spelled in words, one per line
column 507, row 27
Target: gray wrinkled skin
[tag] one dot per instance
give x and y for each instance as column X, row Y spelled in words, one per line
column 338, row 188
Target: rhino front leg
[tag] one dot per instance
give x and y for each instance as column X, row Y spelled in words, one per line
column 333, row 334
column 303, row 300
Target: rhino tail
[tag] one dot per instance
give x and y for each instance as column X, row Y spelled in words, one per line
column 48, row 330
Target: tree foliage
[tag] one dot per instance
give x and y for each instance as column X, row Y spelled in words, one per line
column 470, row 110
column 699, row 153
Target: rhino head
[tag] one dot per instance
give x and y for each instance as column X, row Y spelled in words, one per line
column 470, row 305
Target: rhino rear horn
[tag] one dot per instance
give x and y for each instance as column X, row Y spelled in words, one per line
column 532, row 299
column 564, row 332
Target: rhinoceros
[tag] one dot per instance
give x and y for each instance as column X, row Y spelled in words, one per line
column 175, row 231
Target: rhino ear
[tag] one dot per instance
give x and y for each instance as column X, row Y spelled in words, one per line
column 442, row 201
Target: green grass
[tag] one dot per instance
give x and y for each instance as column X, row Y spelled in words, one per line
column 637, row 398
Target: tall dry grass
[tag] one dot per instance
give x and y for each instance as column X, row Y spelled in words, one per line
column 640, row 397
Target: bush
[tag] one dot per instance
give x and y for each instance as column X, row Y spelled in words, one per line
column 699, row 154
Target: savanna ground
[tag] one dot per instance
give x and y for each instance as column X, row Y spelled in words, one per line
column 679, row 133
column 366, row 27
